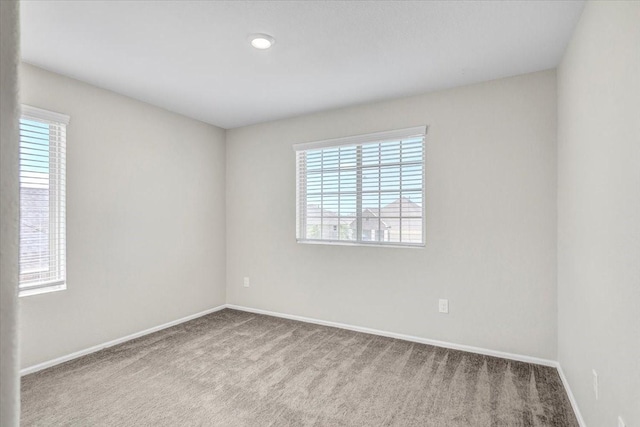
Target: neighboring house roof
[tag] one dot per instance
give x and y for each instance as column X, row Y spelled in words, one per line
column 314, row 212
column 369, row 225
column 409, row 208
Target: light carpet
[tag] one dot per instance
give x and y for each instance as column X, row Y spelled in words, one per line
column 232, row 368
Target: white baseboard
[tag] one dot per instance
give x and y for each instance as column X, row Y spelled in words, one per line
column 572, row 399
column 75, row 355
column 462, row 347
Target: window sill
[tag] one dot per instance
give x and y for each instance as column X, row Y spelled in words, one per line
column 43, row 290
column 361, row 244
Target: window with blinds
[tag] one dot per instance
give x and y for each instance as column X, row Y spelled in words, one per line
column 42, row 201
column 365, row 189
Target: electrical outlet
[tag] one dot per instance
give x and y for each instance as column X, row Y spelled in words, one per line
column 595, row 383
column 246, row 282
column 443, row 306
column 621, row 422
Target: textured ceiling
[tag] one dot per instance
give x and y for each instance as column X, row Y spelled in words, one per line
column 194, row 57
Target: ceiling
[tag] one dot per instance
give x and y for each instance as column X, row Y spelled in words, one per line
column 194, row 58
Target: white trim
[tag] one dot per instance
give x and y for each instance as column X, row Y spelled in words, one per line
column 42, row 114
column 373, row 244
column 376, row 137
column 42, row 289
column 462, row 347
column 572, row 399
column 93, row 349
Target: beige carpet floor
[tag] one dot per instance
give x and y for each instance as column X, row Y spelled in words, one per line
column 232, row 368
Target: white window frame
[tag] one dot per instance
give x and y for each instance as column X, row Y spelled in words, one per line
column 356, row 140
column 57, row 202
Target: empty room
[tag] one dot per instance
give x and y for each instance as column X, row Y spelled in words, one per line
column 320, row 213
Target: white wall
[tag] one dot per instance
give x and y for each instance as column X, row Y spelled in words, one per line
column 599, row 212
column 9, row 110
column 145, row 219
column 491, row 221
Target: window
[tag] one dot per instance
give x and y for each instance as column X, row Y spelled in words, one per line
column 365, row 189
column 42, row 201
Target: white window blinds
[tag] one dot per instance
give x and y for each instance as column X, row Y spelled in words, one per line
column 42, row 201
column 365, row 189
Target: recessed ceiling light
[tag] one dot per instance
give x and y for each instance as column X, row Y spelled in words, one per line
column 261, row 41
